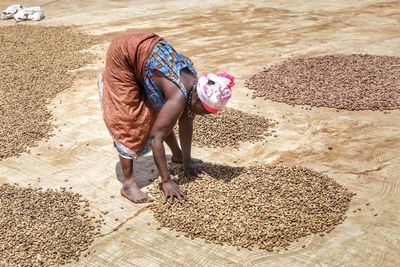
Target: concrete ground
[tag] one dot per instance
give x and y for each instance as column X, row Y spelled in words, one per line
column 240, row 37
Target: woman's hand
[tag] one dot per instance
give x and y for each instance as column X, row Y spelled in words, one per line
column 172, row 190
column 191, row 169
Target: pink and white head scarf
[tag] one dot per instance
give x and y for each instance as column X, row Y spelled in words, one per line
column 214, row 91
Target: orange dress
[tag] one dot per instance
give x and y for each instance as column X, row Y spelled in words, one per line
column 126, row 111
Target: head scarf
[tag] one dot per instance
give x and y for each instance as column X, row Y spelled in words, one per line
column 214, row 91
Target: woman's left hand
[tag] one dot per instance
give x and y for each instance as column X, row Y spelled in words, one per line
column 191, row 169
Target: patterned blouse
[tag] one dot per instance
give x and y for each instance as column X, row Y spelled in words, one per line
column 166, row 60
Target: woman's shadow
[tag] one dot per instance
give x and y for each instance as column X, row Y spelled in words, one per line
column 145, row 171
column 224, row 173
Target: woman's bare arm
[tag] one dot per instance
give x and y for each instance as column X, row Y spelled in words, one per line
column 185, row 138
column 163, row 126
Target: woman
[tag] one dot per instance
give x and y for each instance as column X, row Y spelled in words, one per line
column 146, row 88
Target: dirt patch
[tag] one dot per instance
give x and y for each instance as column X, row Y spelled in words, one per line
column 43, row 228
column 352, row 82
column 35, row 64
column 228, row 128
column 262, row 206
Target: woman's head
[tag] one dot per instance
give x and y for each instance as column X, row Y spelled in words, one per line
column 213, row 92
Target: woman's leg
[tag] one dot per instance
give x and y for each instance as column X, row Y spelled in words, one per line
column 130, row 190
column 172, row 143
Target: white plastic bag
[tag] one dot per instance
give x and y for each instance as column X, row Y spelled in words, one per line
column 10, row 11
column 30, row 13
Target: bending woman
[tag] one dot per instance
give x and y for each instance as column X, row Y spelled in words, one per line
column 146, row 88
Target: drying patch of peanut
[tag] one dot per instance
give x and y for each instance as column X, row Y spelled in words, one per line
column 352, row 82
column 44, row 228
column 261, row 206
column 35, row 66
column 229, row 127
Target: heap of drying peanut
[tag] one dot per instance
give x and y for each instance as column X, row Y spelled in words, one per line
column 229, row 127
column 44, row 228
column 262, row 206
column 35, row 65
column 352, row 82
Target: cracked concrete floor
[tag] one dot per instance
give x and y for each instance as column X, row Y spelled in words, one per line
column 240, row 37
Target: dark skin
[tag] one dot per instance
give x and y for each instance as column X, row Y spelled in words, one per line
column 174, row 111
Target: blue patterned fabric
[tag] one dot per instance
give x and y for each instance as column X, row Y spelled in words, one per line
column 166, row 60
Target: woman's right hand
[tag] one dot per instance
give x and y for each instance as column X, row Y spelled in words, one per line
column 172, row 190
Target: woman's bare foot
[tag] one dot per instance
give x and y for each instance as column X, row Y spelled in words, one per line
column 134, row 194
